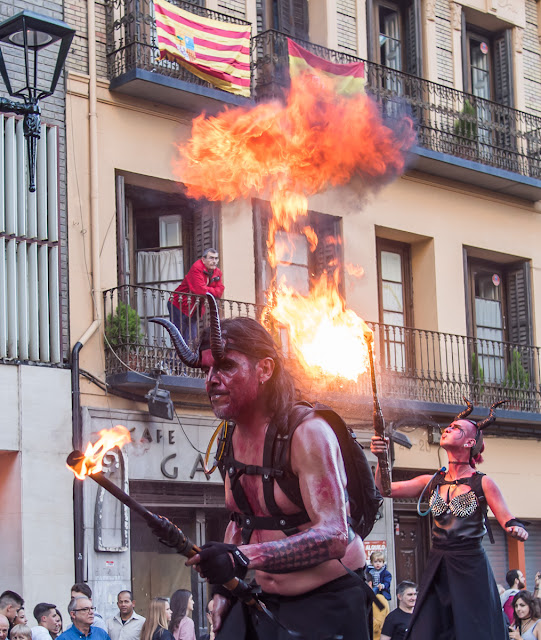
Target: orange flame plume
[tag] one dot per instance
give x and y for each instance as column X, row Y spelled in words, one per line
column 287, row 152
column 93, row 457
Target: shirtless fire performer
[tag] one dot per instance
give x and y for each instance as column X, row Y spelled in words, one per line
column 458, row 598
column 294, row 550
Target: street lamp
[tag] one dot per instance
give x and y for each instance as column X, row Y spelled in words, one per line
column 32, row 32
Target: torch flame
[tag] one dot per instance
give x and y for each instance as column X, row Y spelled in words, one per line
column 93, row 457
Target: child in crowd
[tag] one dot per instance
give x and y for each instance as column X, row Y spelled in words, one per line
column 381, row 578
column 20, row 632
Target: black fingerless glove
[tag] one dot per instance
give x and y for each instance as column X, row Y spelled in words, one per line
column 215, row 279
column 514, row 522
column 221, row 562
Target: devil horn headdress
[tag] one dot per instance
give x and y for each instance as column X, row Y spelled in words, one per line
column 216, row 344
column 467, row 411
column 491, row 417
column 183, row 350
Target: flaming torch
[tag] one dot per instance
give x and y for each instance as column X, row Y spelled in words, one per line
column 89, row 464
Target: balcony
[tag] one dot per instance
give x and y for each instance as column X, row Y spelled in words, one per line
column 133, row 67
column 460, row 136
column 418, row 371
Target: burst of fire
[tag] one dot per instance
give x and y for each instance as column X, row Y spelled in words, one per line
column 286, row 152
column 93, row 457
column 328, row 339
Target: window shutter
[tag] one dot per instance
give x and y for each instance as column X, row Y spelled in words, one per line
column 503, row 85
column 263, row 273
column 413, row 39
column 205, row 229
column 122, row 226
column 328, row 253
column 300, row 19
column 293, row 18
column 519, row 328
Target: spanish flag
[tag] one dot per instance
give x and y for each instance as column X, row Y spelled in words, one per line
column 218, row 52
column 349, row 78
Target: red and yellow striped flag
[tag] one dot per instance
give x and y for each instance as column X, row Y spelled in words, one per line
column 349, row 78
column 218, row 52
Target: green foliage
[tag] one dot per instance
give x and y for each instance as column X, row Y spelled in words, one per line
column 466, row 125
column 516, row 376
column 123, row 327
column 477, row 372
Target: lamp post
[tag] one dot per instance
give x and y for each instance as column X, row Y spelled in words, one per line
column 31, row 33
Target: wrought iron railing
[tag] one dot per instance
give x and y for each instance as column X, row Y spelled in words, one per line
column 131, row 41
column 448, row 121
column 413, row 364
column 133, row 343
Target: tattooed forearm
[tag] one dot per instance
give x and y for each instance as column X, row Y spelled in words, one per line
column 301, row 551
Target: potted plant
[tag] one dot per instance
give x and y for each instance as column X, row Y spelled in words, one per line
column 466, row 129
column 517, row 381
column 123, row 331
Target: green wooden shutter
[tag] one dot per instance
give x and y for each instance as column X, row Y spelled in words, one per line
column 519, row 326
column 205, row 229
column 292, row 16
column 413, row 39
column 503, row 77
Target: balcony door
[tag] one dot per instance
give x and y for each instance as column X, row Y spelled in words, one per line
column 395, row 303
column 500, row 321
column 161, row 233
column 395, row 35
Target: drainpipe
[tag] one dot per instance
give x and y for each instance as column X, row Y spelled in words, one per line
column 77, row 419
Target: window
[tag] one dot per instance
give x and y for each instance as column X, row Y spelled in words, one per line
column 500, row 322
column 161, row 234
column 291, row 17
column 395, row 302
column 395, row 36
column 488, row 64
column 299, row 266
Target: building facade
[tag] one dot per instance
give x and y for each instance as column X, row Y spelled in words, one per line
column 36, row 426
column 449, row 252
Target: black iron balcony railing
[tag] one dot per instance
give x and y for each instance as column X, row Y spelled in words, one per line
column 448, row 121
column 131, row 41
column 413, row 364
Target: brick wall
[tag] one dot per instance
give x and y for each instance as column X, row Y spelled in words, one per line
column 76, row 15
column 53, row 113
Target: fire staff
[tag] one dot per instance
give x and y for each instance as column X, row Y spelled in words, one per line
column 294, row 551
column 458, row 598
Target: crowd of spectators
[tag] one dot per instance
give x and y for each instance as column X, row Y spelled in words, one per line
column 169, row 619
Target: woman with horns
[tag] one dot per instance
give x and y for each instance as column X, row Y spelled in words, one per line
column 458, row 597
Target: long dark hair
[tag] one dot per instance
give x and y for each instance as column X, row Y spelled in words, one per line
column 250, row 338
column 533, row 604
column 179, row 607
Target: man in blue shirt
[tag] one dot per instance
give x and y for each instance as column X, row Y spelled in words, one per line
column 81, row 613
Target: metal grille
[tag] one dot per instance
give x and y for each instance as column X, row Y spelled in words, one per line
column 29, row 248
column 416, row 364
column 132, row 42
column 448, row 121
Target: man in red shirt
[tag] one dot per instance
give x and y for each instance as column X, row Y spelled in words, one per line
column 203, row 277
